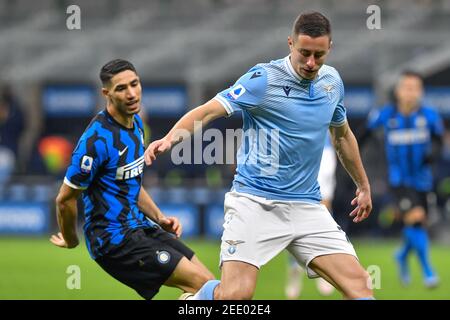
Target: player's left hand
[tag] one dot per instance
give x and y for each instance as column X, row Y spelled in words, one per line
column 172, row 225
column 59, row 241
column 363, row 204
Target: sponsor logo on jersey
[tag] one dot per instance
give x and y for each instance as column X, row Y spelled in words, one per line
column 257, row 74
column 236, row 92
column 121, row 152
column 131, row 170
column 287, row 89
column 86, row 164
column 408, row 136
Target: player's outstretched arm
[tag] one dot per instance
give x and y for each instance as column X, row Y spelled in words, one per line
column 346, row 146
column 66, row 214
column 191, row 121
column 151, row 210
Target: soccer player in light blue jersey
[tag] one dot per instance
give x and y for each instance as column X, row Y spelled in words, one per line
column 287, row 105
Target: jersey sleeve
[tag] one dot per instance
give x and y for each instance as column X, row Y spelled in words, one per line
column 375, row 119
column 88, row 157
column 340, row 113
column 437, row 125
column 247, row 93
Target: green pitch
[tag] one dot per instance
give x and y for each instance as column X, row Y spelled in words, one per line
column 32, row 268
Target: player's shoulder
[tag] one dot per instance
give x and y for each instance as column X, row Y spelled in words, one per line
column 98, row 128
column 97, row 121
column 383, row 113
column 269, row 69
column 387, row 111
column 429, row 111
column 254, row 80
column 330, row 76
column 330, row 72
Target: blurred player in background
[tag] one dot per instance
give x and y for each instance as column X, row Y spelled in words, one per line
column 274, row 202
column 126, row 233
column 327, row 183
column 413, row 138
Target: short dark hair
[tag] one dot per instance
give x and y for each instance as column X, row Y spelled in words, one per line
column 313, row 24
column 412, row 73
column 114, row 67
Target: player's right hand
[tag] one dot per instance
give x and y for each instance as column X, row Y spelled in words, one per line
column 363, row 203
column 155, row 148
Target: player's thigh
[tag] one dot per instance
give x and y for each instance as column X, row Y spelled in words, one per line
column 188, row 276
column 345, row 272
column 238, row 281
column 190, row 273
column 411, row 204
column 144, row 263
column 416, row 215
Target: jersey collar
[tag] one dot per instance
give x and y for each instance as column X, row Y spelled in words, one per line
column 109, row 116
column 292, row 72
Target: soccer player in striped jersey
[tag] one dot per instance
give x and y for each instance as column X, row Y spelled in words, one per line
column 287, row 105
column 413, row 138
column 125, row 232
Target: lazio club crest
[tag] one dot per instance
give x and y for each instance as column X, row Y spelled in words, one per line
column 232, row 245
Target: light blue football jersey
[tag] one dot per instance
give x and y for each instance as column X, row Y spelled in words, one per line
column 285, row 121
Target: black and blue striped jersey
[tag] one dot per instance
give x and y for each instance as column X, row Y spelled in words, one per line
column 408, row 140
column 108, row 164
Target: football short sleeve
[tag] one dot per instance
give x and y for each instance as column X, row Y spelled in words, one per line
column 87, row 158
column 247, row 93
column 340, row 114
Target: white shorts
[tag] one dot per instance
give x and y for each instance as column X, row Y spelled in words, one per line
column 257, row 229
column 327, row 174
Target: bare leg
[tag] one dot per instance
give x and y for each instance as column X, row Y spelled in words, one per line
column 189, row 276
column 238, row 281
column 345, row 273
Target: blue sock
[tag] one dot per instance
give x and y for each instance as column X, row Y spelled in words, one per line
column 292, row 262
column 402, row 254
column 421, row 245
column 367, row 298
column 207, row 291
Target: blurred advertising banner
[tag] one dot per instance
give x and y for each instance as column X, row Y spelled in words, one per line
column 214, row 219
column 358, row 101
column 23, row 218
column 438, row 97
column 170, row 101
column 69, row 100
column 188, row 216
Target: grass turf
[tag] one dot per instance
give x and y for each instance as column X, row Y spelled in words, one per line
column 32, row 268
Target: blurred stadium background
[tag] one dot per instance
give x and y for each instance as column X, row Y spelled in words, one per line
column 185, row 52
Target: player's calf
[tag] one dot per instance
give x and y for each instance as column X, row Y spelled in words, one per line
column 359, row 286
column 233, row 292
